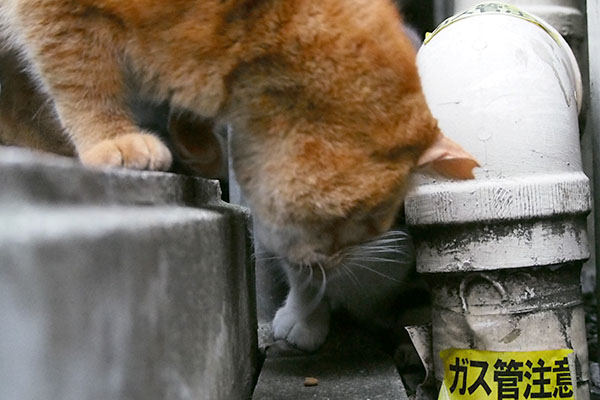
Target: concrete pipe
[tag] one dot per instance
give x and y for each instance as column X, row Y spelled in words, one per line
column 503, row 251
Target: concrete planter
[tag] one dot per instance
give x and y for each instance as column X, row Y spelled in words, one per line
column 119, row 284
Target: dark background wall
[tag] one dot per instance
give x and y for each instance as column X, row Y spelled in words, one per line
column 418, row 14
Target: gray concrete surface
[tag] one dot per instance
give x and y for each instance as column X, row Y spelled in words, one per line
column 121, row 285
column 353, row 364
column 344, row 377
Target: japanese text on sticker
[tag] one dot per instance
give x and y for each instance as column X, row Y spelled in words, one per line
column 480, row 375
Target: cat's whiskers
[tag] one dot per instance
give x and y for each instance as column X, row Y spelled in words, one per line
column 46, row 103
column 308, row 280
column 374, row 245
column 364, row 258
column 375, row 251
column 393, row 233
column 385, row 241
column 350, row 274
column 369, row 249
column 265, row 256
column 385, row 253
column 323, row 287
column 373, row 271
column 320, row 294
column 255, row 258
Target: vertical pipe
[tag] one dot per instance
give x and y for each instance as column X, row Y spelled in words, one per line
column 593, row 13
column 566, row 16
column 503, row 252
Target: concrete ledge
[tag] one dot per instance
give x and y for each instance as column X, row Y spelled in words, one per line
column 37, row 178
column 351, row 365
column 373, row 378
column 105, row 297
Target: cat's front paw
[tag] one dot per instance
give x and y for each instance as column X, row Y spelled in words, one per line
column 135, row 150
column 307, row 333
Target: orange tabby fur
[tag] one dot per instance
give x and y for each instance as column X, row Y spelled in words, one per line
column 323, row 96
column 26, row 118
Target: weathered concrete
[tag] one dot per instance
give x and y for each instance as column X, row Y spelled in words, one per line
column 38, row 178
column 367, row 376
column 351, row 365
column 121, row 285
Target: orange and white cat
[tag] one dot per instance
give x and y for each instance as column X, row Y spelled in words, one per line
column 323, row 97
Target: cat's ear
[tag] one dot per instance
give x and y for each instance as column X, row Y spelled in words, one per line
column 448, row 159
column 196, row 143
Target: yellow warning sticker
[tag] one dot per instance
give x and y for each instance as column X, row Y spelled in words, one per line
column 481, row 375
column 493, row 7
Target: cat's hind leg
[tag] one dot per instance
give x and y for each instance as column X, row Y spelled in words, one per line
column 303, row 321
column 77, row 53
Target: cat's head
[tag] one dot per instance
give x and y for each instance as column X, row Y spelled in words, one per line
column 328, row 131
column 318, row 186
column 327, row 127
column 312, row 205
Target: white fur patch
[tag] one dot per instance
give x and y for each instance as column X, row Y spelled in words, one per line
column 306, row 332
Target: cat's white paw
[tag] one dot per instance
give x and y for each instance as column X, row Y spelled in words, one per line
column 307, row 333
column 134, row 150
